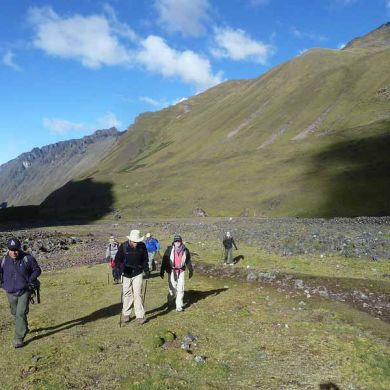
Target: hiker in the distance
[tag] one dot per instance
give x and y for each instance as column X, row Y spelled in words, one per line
column 175, row 262
column 228, row 243
column 112, row 249
column 152, row 246
column 19, row 273
column 132, row 261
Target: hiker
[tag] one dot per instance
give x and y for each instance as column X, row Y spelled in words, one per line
column 175, row 261
column 228, row 243
column 112, row 249
column 18, row 275
column 152, row 246
column 131, row 261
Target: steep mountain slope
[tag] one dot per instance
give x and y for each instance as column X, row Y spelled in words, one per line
column 32, row 176
column 308, row 138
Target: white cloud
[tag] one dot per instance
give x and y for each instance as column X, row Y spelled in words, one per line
column 302, row 51
column 90, row 39
column 189, row 66
column 8, row 59
column 341, row 45
column 310, row 35
column 61, row 126
column 152, row 102
column 239, row 46
column 99, row 40
column 107, row 121
column 188, row 17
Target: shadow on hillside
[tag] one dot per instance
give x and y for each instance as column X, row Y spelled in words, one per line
column 329, row 386
column 105, row 312
column 77, row 202
column 356, row 172
column 190, row 297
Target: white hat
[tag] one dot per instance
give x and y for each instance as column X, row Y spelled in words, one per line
column 148, row 235
column 135, row 236
column 227, row 234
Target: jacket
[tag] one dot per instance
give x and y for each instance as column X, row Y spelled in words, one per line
column 168, row 261
column 111, row 251
column 152, row 245
column 18, row 274
column 228, row 243
column 132, row 261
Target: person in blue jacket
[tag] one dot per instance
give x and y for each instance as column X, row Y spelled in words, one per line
column 19, row 273
column 152, row 246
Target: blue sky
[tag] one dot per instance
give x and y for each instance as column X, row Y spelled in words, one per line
column 68, row 67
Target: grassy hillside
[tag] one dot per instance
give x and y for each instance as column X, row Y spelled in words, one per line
column 308, row 138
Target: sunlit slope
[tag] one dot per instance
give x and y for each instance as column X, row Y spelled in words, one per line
column 310, row 137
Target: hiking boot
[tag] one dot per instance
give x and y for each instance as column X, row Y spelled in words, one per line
column 141, row 321
column 125, row 319
column 19, row 344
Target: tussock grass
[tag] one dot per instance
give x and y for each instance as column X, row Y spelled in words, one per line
column 251, row 336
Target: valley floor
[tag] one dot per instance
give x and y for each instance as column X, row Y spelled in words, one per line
column 255, row 325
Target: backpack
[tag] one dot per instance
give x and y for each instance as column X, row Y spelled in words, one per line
column 34, row 288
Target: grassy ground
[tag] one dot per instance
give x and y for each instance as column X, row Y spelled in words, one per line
column 251, row 335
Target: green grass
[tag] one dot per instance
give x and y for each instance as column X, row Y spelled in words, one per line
column 251, row 335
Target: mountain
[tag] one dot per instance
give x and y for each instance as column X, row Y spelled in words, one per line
column 311, row 137
column 32, row 176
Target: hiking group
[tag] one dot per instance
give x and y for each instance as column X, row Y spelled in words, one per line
column 131, row 262
column 134, row 260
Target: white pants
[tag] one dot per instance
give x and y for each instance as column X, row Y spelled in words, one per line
column 132, row 293
column 176, row 289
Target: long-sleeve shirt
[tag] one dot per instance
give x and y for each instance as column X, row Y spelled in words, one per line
column 17, row 274
column 228, row 243
column 132, row 261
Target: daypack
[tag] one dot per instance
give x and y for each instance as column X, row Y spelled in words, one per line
column 35, row 288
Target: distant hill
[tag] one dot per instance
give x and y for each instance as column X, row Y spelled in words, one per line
column 311, row 137
column 31, row 177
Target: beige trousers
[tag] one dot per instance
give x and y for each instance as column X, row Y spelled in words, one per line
column 132, row 293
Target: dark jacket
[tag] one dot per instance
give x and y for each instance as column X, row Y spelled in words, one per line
column 132, row 261
column 17, row 274
column 166, row 264
column 228, row 243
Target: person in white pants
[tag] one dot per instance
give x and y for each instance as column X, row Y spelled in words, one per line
column 176, row 260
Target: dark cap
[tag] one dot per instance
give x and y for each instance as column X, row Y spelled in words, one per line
column 14, row 244
column 177, row 238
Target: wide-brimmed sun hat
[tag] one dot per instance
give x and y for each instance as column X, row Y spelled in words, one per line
column 135, row 236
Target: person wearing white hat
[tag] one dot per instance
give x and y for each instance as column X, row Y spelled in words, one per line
column 132, row 261
column 112, row 249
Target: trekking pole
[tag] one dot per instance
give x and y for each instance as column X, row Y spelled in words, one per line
column 144, row 294
column 120, row 314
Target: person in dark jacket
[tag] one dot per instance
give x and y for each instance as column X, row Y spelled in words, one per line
column 132, row 261
column 19, row 272
column 228, row 243
column 175, row 261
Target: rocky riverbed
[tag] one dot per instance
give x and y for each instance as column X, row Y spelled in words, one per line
column 360, row 238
